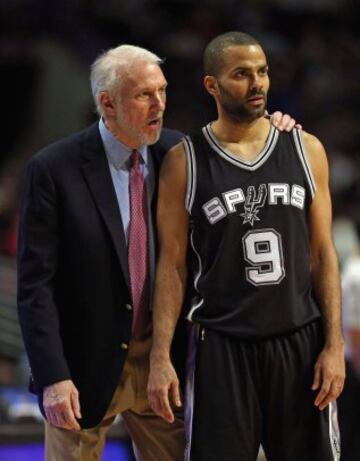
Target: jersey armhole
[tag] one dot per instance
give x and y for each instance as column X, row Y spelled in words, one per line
column 300, row 149
column 191, row 172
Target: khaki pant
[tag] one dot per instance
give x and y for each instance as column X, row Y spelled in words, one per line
column 153, row 438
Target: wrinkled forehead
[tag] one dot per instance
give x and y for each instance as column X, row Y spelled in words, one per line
column 142, row 75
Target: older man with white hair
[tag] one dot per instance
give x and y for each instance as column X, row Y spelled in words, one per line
column 86, row 262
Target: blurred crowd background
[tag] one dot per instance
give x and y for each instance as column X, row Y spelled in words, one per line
column 47, row 46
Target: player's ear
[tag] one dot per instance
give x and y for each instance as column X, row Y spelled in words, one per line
column 211, row 85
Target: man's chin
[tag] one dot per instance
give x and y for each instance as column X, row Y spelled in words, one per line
column 254, row 114
column 247, row 117
column 153, row 137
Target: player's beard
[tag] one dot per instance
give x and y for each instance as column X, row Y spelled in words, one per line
column 239, row 109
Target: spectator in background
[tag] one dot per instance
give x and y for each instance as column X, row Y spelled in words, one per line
column 349, row 402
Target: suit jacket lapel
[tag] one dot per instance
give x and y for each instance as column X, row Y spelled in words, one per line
column 97, row 175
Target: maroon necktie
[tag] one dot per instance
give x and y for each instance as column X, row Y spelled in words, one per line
column 138, row 248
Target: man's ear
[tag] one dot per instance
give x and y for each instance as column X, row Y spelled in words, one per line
column 107, row 104
column 211, row 85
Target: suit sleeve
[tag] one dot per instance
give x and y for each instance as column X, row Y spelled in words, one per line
column 37, row 266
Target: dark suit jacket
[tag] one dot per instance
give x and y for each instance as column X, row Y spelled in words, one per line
column 73, row 281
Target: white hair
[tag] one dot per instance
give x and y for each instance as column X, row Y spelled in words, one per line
column 110, row 67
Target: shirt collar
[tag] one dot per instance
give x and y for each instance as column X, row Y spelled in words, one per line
column 116, row 151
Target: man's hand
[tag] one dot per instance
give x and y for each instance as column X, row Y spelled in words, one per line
column 163, row 389
column 283, row 122
column 61, row 405
column 329, row 376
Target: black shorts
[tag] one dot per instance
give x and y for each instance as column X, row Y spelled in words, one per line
column 242, row 393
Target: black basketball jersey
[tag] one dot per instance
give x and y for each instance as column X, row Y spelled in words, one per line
column 249, row 236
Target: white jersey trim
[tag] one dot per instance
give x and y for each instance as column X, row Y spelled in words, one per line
column 236, row 160
column 191, row 173
column 299, row 144
column 193, row 339
column 196, row 279
column 334, row 432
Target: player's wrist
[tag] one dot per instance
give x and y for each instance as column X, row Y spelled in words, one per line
column 335, row 344
column 159, row 356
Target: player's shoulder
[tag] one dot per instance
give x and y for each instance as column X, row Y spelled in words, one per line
column 316, row 155
column 176, row 155
column 312, row 143
column 174, row 162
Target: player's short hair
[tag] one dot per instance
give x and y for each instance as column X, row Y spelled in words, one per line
column 110, row 67
column 214, row 51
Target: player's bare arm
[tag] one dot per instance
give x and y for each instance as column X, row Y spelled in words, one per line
column 172, row 226
column 330, row 366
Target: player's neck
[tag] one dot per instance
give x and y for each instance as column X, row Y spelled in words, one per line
column 245, row 140
column 230, row 131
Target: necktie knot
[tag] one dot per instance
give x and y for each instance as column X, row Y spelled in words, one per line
column 135, row 159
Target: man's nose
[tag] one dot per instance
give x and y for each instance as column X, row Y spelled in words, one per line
column 256, row 81
column 159, row 100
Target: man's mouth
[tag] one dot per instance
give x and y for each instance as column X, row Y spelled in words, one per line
column 154, row 122
column 256, row 100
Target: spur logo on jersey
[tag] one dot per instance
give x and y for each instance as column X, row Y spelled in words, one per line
column 253, row 201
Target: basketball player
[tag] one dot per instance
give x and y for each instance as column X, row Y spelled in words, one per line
column 268, row 363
